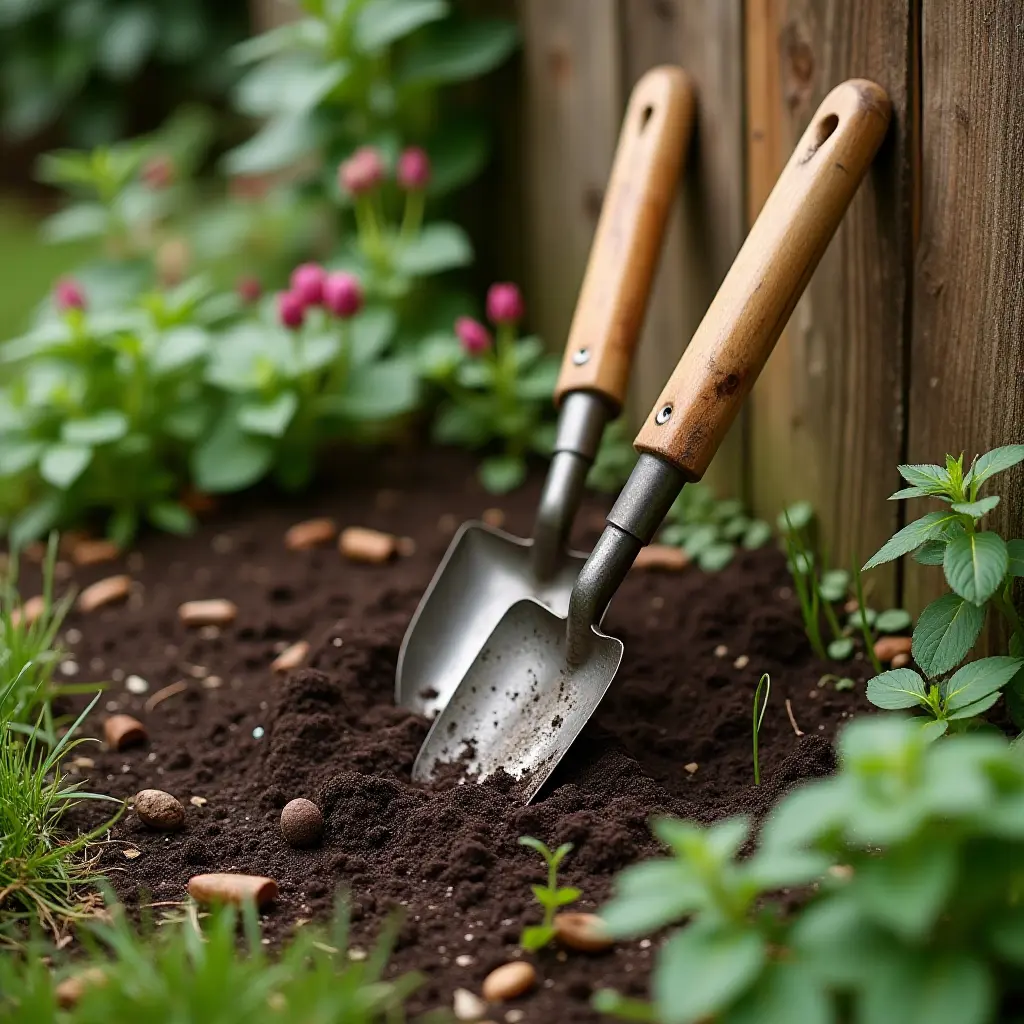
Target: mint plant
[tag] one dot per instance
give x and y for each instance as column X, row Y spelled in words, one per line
column 549, row 896
column 912, row 856
column 980, row 567
column 498, row 390
column 711, row 530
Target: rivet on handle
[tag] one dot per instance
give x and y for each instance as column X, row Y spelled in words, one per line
column 663, row 414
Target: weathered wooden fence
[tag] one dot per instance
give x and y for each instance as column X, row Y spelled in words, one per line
column 908, row 342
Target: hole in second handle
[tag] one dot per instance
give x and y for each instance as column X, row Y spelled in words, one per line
column 826, row 126
column 645, row 116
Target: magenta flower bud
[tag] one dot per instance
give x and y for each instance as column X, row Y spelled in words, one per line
column 343, row 294
column 504, row 304
column 291, row 309
column 68, row 294
column 414, row 169
column 249, row 288
column 362, row 171
column 474, row 336
column 307, row 282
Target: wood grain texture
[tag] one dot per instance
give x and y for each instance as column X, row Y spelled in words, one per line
column 743, row 323
column 573, row 102
column 827, row 418
column 706, row 38
column 967, row 355
column 627, row 245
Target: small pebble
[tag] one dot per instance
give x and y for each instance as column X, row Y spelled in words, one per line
column 467, row 1005
column 212, row 612
column 258, row 733
column 136, row 684
column 721, row 651
column 508, row 981
column 104, row 592
column 494, row 517
column 73, row 636
column 159, row 810
column 302, row 823
column 741, row 662
column 197, row 801
column 691, row 767
column 901, row 660
column 661, row 556
column 94, row 552
column 291, row 657
column 464, row 960
column 515, row 1016
column 360, row 544
column 310, row 533
column 889, row 646
column 29, row 611
column 131, row 853
column 122, row 731
column 232, row 888
column 584, row 932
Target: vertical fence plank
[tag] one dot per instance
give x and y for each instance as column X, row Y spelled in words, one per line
column 827, row 417
column 967, row 380
column 705, row 38
column 572, row 106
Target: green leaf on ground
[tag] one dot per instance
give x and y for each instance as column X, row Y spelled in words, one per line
column 897, row 689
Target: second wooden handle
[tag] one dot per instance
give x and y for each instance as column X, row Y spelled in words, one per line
column 768, row 276
column 624, row 255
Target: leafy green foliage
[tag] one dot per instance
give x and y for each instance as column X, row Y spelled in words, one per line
column 711, row 530
column 497, row 400
column 765, row 684
column 72, row 63
column 549, row 896
column 980, row 567
column 176, row 973
column 615, row 459
column 916, row 915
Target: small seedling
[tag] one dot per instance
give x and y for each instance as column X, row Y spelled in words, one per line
column 764, row 683
column 710, row 530
column 549, row 896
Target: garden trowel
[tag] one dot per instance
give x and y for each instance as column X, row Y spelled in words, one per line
column 485, row 571
column 541, row 675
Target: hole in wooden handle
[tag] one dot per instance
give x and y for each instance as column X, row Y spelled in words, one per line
column 645, row 116
column 824, row 128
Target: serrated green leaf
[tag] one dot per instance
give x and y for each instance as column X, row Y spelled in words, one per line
column 834, row 585
column 171, row 517
column 127, row 40
column 978, row 680
column 893, row 620
column 229, row 459
column 18, row 455
column 701, row 538
column 976, row 509
column 946, row 631
column 935, row 728
column 280, row 143
column 271, row 418
column 536, row 937
column 383, row 22
column 975, row 709
column 996, row 461
column 786, row 993
column 758, row 534
column 701, row 971
column 906, row 890
column 82, row 220
column 716, row 557
column 649, row 896
column 908, row 492
column 929, row 478
column 459, row 52
column 975, row 565
column 291, row 84
column 458, row 153
column 841, row 649
column 897, row 689
column 62, row 464
column 177, row 348
column 371, row 333
column 102, row 428
column 931, row 552
column 860, row 616
column 34, row 521
column 795, row 516
column 377, row 391
column 567, row 895
column 911, row 536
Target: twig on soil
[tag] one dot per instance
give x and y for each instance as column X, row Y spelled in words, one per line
column 792, row 720
column 168, row 691
column 193, row 917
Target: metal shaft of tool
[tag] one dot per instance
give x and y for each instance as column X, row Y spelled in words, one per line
column 641, row 507
column 580, row 425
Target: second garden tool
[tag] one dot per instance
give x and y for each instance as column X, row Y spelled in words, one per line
column 485, row 571
column 541, row 675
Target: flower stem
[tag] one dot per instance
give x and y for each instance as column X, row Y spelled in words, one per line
column 412, row 218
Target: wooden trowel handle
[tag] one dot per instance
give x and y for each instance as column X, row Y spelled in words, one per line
column 624, row 254
column 768, row 276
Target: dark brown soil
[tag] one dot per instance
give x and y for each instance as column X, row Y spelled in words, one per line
column 449, row 857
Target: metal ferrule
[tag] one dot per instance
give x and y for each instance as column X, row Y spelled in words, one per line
column 580, row 425
column 634, row 519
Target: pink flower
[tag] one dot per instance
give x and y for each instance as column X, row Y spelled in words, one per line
column 249, row 288
column 68, row 294
column 414, row 169
column 504, row 304
column 291, row 309
column 308, row 283
column 474, row 336
column 343, row 294
column 158, row 172
column 362, row 171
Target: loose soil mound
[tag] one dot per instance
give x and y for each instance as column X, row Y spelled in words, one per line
column 247, row 741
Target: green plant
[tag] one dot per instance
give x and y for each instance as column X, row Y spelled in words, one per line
column 615, row 460
column 764, row 683
column 72, row 64
column 42, row 870
column 710, row 529
column 549, row 896
column 498, row 391
column 980, row 567
column 915, row 914
column 180, row 973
